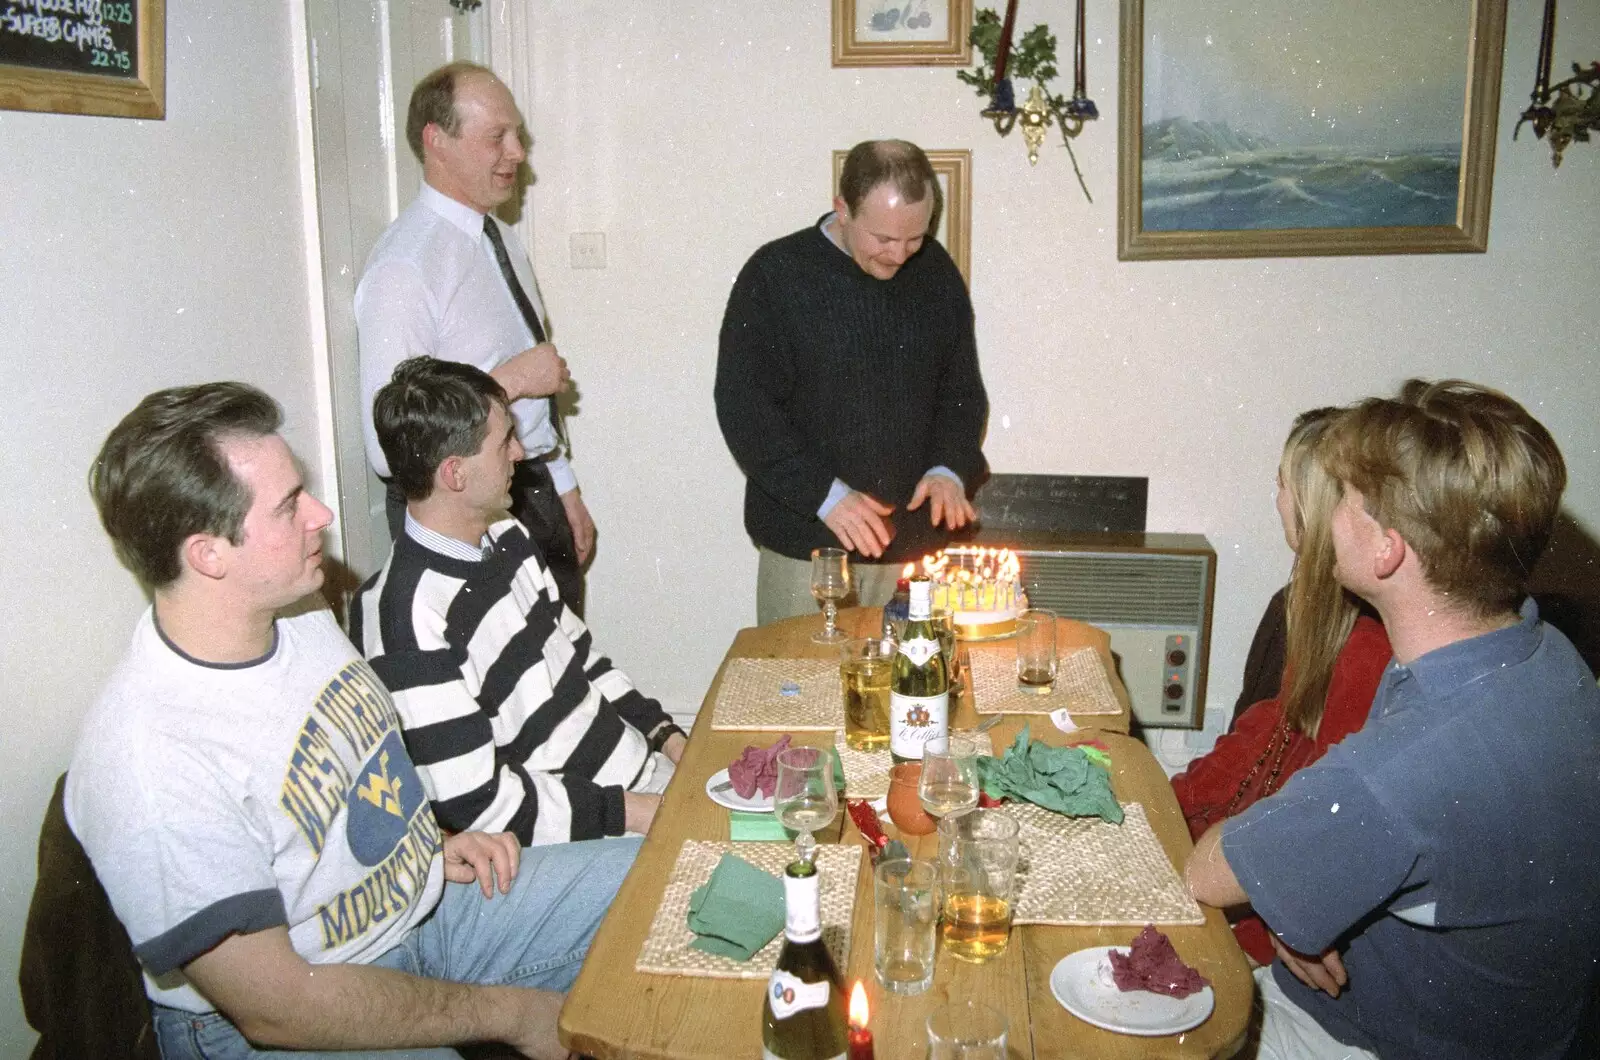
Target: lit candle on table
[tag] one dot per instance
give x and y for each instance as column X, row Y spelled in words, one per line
column 860, row 1035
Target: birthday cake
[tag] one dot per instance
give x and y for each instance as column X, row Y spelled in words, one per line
column 981, row 586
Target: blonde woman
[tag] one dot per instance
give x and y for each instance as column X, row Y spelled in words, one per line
column 1335, row 656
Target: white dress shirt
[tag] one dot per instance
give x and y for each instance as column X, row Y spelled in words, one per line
column 432, row 286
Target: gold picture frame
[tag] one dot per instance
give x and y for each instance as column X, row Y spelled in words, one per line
column 952, row 215
column 137, row 87
column 902, row 32
column 1209, row 190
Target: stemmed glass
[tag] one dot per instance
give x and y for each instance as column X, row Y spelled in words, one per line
column 805, row 799
column 949, row 783
column 830, row 583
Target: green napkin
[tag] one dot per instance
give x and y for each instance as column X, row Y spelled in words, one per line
column 737, row 911
column 838, row 770
column 1063, row 779
column 744, row 827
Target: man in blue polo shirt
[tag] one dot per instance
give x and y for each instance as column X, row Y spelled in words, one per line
column 1432, row 882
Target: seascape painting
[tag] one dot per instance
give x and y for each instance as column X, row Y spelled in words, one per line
column 1269, row 117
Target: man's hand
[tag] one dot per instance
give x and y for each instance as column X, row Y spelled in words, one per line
column 639, row 810
column 482, row 856
column 1325, row 973
column 950, row 506
column 536, row 372
column 582, row 525
column 861, row 523
column 674, row 746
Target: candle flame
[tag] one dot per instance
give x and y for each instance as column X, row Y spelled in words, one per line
column 858, row 1006
column 908, row 570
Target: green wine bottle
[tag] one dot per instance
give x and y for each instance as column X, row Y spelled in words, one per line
column 919, row 685
column 803, row 1017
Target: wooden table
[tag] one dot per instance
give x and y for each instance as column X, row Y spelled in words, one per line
column 615, row 1012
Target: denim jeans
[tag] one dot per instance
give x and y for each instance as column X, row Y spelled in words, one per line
column 535, row 936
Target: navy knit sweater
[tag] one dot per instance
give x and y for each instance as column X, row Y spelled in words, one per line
column 825, row 372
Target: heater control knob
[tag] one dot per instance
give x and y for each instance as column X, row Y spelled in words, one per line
column 1177, row 657
column 1174, row 691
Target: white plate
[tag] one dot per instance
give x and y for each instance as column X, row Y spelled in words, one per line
column 733, row 800
column 1082, row 982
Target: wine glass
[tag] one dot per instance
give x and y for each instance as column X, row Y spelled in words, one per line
column 805, row 799
column 944, row 624
column 949, row 783
column 830, row 583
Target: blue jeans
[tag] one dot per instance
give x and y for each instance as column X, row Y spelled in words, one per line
column 535, row 936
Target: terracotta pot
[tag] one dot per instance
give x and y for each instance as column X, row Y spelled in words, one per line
column 905, row 807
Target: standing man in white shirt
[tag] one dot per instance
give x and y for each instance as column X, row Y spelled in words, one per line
column 450, row 280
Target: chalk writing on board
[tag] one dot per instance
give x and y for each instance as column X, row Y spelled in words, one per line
column 87, row 36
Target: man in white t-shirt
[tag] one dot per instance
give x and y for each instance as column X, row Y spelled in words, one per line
column 244, row 793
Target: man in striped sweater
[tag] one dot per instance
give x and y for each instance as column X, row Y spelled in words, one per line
column 516, row 723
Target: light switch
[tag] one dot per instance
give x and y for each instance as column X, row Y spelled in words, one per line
column 588, row 250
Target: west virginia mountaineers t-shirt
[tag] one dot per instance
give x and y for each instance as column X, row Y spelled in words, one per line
column 217, row 800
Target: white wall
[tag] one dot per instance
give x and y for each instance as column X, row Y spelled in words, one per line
column 693, row 132
column 133, row 255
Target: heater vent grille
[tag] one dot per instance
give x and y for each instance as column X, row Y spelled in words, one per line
column 1125, row 588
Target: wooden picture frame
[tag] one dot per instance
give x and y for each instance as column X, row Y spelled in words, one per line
column 136, row 87
column 902, row 32
column 952, row 217
column 1190, row 185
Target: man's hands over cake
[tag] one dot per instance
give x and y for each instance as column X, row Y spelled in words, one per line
column 949, row 504
column 861, row 523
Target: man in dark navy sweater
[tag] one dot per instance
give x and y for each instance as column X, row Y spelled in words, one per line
column 848, row 385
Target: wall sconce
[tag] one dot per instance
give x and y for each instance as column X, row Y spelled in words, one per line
column 1034, row 59
column 1567, row 110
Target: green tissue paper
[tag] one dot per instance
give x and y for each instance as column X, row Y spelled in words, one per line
column 1063, row 779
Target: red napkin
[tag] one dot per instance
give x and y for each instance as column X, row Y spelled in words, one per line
column 756, row 768
column 1152, row 964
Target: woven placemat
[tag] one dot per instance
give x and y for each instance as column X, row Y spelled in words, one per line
column 866, row 773
column 1083, row 871
column 1081, row 684
column 666, row 948
column 751, row 698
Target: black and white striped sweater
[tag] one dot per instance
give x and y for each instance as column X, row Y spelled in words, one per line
column 515, row 722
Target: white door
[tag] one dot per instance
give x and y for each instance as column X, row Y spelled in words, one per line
column 365, row 57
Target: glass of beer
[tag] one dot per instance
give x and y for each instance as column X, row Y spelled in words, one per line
column 864, row 667
column 978, row 853
column 1036, row 650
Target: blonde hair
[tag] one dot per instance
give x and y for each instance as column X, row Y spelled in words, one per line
column 1319, row 613
column 1467, row 477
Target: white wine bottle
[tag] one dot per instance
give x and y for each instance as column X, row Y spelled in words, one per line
column 919, row 688
column 803, row 1017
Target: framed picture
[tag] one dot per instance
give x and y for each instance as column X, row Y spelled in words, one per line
column 902, row 32
column 1286, row 129
column 952, row 214
column 106, row 57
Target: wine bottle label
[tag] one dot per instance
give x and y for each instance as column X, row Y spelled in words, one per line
column 790, row 994
column 802, row 907
column 919, row 651
column 914, row 720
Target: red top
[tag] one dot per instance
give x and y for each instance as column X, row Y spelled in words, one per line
column 1259, row 755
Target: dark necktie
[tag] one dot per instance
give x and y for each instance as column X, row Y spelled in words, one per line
column 525, row 306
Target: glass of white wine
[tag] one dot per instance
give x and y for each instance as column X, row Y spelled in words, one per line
column 805, row 799
column 949, row 783
column 830, row 583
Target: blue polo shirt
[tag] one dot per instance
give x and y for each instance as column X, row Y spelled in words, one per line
column 1451, row 849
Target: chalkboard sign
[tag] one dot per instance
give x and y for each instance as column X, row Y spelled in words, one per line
column 1058, row 504
column 83, row 56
